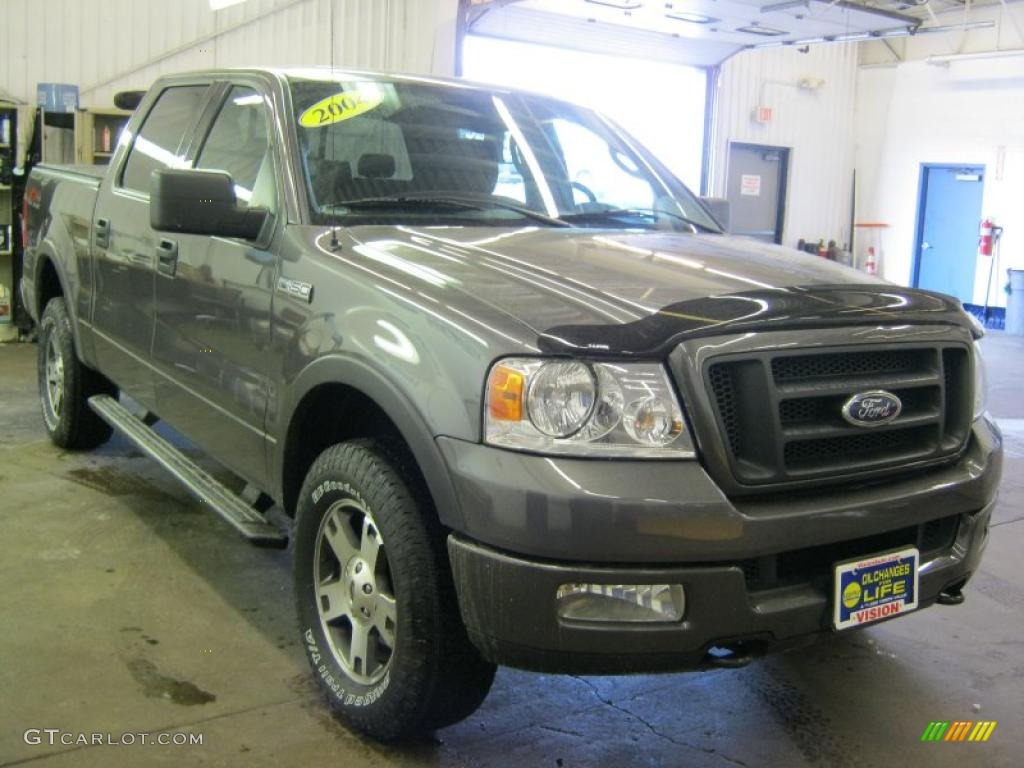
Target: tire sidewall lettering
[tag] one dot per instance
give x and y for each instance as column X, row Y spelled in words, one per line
column 336, row 486
column 345, row 691
column 323, row 662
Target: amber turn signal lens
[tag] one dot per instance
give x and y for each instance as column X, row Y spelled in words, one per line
column 505, row 394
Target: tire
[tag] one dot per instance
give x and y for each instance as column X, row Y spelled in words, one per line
column 367, row 534
column 65, row 385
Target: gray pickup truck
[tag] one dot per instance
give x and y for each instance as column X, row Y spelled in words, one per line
column 525, row 401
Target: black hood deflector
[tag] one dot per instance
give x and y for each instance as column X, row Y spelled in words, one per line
column 820, row 306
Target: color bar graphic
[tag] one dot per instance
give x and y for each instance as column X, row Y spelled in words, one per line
column 982, row 731
column 958, row 730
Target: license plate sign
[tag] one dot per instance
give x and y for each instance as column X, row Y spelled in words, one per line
column 875, row 588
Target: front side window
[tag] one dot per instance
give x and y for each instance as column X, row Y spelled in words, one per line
column 405, row 152
column 239, row 143
column 158, row 144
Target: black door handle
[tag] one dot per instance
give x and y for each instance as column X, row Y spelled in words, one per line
column 102, row 233
column 167, row 257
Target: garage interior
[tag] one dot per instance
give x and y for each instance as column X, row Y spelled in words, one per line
column 880, row 134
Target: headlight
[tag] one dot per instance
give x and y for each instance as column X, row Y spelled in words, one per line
column 560, row 398
column 578, row 408
column 980, row 384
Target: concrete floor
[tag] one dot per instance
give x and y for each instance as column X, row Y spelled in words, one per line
column 125, row 608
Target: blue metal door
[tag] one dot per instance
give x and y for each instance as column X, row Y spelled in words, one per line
column 947, row 246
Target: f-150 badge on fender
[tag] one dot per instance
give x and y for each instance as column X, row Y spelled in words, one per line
column 872, row 409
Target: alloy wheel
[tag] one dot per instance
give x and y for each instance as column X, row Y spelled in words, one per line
column 54, row 370
column 355, row 597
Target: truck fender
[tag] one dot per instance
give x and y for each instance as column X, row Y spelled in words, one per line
column 46, row 253
column 364, row 378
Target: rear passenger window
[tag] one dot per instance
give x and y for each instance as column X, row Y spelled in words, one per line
column 238, row 143
column 156, row 147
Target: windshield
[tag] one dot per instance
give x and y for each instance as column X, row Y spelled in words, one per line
column 377, row 151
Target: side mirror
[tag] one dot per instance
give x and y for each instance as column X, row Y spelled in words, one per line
column 718, row 207
column 128, row 100
column 201, row 203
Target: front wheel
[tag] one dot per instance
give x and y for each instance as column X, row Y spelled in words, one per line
column 376, row 604
column 65, row 385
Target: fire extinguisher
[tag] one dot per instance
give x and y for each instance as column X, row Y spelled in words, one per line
column 985, row 241
column 991, row 235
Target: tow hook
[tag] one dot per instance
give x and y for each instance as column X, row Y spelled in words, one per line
column 951, row 595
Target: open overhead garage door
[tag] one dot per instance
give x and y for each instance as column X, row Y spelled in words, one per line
column 662, row 104
column 700, row 33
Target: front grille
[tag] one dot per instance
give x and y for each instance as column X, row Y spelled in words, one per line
column 866, row 447
column 780, row 412
column 814, row 565
column 879, row 363
column 725, row 397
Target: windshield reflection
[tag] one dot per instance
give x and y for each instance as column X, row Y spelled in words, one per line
column 403, row 151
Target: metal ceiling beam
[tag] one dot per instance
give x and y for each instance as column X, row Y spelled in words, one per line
column 880, row 35
column 786, row 5
column 190, row 45
column 1013, row 20
column 477, row 9
column 948, row 59
column 892, row 50
column 470, row 12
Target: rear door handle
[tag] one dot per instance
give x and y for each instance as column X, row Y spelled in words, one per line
column 102, row 236
column 167, row 257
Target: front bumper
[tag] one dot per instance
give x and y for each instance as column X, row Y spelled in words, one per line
column 508, row 606
column 534, row 523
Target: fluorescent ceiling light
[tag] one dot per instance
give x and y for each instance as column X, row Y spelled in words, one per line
column 217, row 5
column 622, row 5
column 754, row 29
column 693, row 18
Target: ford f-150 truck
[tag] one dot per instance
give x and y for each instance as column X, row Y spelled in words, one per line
column 525, row 401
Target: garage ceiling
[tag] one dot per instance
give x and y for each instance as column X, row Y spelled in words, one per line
column 716, row 28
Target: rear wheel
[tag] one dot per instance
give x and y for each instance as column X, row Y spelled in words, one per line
column 375, row 599
column 65, row 385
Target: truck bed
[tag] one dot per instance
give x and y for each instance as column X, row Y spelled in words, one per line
column 92, row 172
column 60, row 200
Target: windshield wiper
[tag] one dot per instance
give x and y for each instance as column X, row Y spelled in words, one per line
column 469, row 204
column 641, row 213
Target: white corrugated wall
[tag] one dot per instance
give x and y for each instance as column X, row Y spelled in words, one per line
column 109, row 45
column 817, row 125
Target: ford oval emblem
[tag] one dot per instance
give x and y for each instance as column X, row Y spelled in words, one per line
column 872, row 409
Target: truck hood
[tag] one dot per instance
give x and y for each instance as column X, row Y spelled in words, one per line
column 637, row 293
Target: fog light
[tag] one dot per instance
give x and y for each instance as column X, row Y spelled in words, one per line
column 645, row 603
